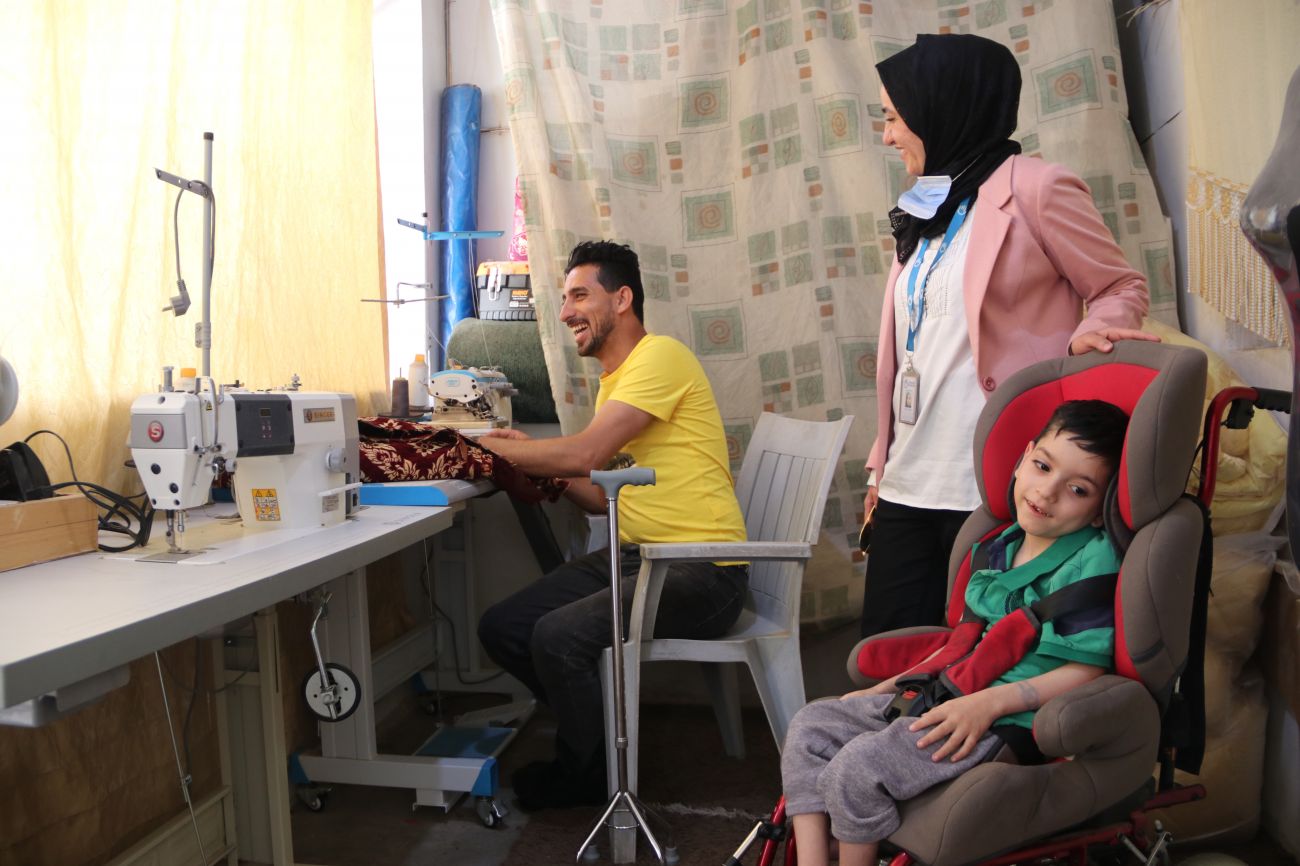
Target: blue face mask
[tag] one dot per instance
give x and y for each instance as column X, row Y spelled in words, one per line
column 926, row 195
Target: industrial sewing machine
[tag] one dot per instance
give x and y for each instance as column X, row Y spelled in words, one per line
column 471, row 400
column 293, row 454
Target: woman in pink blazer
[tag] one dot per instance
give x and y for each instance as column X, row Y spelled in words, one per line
column 997, row 255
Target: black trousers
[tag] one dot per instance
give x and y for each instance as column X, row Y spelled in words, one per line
column 907, row 568
column 550, row 635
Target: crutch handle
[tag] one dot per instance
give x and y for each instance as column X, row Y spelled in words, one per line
column 612, row 480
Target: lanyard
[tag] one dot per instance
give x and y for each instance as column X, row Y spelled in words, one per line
column 915, row 300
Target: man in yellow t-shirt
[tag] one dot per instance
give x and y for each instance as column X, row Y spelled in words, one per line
column 655, row 404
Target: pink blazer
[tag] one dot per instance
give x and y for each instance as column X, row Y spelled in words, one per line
column 1038, row 251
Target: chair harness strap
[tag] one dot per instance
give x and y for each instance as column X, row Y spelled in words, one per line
column 969, row 662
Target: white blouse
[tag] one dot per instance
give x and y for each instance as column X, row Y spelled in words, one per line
column 931, row 463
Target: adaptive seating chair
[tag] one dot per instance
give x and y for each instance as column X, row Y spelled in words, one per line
column 782, row 490
column 1098, row 743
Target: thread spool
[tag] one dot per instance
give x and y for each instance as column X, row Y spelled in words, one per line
column 401, row 398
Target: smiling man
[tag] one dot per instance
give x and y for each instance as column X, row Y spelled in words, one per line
column 655, row 404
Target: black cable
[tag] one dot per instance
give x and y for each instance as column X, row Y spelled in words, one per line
column 63, row 442
column 113, row 504
column 188, row 688
column 455, row 654
column 438, row 611
column 194, row 691
column 189, row 711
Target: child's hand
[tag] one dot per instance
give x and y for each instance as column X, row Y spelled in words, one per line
column 961, row 720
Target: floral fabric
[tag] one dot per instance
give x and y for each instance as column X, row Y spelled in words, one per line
column 393, row 449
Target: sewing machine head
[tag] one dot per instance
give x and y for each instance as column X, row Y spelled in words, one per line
column 177, row 447
column 293, row 454
column 297, row 463
column 471, row 400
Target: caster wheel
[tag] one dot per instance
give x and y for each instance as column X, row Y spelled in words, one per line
column 489, row 811
column 312, row 797
column 332, row 704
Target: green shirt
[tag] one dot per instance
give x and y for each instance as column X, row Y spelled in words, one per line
column 1087, row 637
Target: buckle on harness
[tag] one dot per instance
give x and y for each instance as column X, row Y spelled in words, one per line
column 916, row 694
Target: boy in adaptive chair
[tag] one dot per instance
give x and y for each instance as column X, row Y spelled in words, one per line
column 848, row 762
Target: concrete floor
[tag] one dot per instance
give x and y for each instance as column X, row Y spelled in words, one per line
column 708, row 800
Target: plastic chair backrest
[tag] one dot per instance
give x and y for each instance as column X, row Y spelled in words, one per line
column 782, row 488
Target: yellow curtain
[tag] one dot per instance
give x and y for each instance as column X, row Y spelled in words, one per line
column 93, row 96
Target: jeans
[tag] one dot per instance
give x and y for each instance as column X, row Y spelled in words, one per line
column 550, row 635
column 907, row 569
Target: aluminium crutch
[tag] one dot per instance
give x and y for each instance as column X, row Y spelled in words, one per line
column 623, row 801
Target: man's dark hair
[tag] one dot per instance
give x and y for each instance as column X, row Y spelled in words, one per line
column 618, row 266
column 1099, row 427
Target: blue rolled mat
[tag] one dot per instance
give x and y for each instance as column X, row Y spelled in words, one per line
column 461, row 115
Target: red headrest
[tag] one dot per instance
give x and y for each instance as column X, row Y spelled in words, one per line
column 1162, row 388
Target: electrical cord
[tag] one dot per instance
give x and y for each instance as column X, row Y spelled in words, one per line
column 176, row 236
column 435, row 612
column 198, row 687
column 119, row 511
column 455, row 654
column 194, row 692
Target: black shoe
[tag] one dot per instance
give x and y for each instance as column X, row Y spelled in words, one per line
column 549, row 785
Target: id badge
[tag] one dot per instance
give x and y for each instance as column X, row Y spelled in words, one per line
column 909, row 398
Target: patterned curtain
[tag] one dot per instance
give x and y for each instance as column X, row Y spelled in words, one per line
column 736, row 146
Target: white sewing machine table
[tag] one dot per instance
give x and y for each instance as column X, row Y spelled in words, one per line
column 75, row 620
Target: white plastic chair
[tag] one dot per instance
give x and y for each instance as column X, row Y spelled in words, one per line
column 782, row 490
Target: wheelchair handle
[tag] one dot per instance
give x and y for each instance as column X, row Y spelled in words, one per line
column 613, row 480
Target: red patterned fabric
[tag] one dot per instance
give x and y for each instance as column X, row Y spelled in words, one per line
column 393, row 449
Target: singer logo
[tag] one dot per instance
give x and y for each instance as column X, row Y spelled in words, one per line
column 155, row 431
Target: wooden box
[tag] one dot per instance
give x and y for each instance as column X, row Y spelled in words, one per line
column 45, row 529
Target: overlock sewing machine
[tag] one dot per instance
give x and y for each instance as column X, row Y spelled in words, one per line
column 471, row 400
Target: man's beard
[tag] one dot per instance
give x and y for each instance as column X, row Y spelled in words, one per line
column 597, row 331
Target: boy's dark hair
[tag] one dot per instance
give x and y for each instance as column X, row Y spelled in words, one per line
column 1097, row 426
column 617, row 265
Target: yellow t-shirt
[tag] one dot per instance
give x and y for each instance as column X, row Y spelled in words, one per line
column 692, row 498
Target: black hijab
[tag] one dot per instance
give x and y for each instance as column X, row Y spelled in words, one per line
column 960, row 94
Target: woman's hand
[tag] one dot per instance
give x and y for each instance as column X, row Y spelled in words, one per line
column 1105, row 339
column 962, row 721
column 869, row 501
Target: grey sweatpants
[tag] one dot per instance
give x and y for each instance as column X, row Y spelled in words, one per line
column 841, row 757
